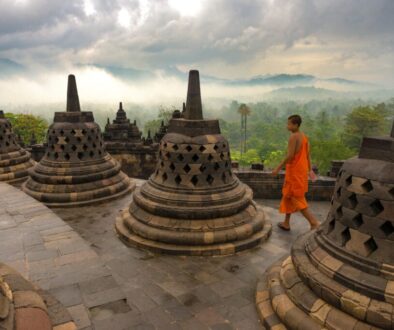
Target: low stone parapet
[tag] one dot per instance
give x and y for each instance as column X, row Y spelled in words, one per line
column 266, row 186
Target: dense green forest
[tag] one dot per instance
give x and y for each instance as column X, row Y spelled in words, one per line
column 335, row 128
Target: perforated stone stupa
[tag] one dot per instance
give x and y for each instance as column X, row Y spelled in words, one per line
column 342, row 276
column 193, row 204
column 76, row 170
column 14, row 160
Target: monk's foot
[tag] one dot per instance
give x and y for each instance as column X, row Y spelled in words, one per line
column 283, row 226
column 315, row 225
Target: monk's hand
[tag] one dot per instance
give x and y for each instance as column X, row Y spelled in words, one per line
column 275, row 172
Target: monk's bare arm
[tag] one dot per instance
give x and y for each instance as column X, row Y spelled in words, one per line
column 291, row 150
column 309, row 158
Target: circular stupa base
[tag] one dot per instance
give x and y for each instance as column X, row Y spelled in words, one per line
column 68, row 200
column 24, row 306
column 14, row 167
column 130, row 238
column 17, row 181
column 296, row 294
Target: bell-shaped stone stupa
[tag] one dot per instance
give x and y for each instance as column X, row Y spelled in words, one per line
column 193, row 204
column 14, row 160
column 342, row 275
column 76, row 170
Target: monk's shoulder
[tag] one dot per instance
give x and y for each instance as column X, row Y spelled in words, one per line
column 295, row 136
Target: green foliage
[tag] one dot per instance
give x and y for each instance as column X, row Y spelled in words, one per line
column 152, row 126
column 165, row 114
column 334, row 129
column 324, row 151
column 26, row 125
column 251, row 156
column 274, row 158
column 364, row 121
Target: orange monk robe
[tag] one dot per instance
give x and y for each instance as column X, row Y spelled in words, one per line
column 296, row 181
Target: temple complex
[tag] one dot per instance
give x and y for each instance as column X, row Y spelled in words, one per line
column 193, row 204
column 76, row 170
column 121, row 129
column 14, row 160
column 122, row 139
column 342, row 275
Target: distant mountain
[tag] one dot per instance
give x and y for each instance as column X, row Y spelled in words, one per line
column 308, row 93
column 276, row 86
column 281, row 80
column 302, row 93
column 342, row 81
column 276, row 80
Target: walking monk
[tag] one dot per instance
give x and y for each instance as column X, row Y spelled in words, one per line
column 298, row 165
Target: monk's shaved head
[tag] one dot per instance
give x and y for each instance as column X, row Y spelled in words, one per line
column 295, row 119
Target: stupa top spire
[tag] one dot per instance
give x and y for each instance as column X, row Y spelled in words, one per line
column 72, row 95
column 193, row 102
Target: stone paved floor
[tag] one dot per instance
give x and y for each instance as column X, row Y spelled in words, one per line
column 106, row 285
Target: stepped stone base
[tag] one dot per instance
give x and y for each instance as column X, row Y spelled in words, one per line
column 70, row 200
column 14, row 160
column 298, row 293
column 23, row 307
column 126, row 222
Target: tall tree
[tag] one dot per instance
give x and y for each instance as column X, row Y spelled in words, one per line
column 245, row 111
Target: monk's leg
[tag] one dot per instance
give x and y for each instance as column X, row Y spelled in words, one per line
column 286, row 224
column 311, row 218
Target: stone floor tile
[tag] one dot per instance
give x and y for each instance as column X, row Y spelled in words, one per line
column 79, row 315
column 68, row 295
column 139, row 299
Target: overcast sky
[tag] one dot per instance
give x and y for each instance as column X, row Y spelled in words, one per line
column 351, row 39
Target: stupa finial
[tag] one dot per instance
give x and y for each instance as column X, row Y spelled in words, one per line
column 72, row 95
column 193, row 101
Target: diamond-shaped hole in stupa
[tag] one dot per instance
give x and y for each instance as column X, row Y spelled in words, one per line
column 76, row 170
column 186, row 207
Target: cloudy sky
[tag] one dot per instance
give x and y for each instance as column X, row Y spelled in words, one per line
column 43, row 40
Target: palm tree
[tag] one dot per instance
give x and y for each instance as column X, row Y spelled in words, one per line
column 245, row 111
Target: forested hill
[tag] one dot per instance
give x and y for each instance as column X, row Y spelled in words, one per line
column 334, row 126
